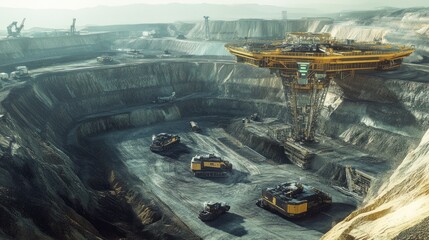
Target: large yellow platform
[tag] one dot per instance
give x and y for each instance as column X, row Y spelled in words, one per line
column 324, row 54
column 306, row 63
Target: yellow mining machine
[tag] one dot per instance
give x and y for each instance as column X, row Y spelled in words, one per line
column 163, row 141
column 306, row 63
column 294, row 199
column 210, row 166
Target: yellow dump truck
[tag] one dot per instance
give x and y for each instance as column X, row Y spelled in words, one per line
column 194, row 126
column 210, row 166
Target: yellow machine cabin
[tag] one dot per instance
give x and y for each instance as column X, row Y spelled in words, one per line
column 294, row 199
column 163, row 141
column 209, row 166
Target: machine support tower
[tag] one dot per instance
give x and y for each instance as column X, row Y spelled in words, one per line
column 306, row 63
column 206, row 28
column 305, row 92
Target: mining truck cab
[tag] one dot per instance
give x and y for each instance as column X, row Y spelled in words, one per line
column 211, row 207
column 194, row 127
column 163, row 141
column 20, row 72
column 166, row 98
column 213, row 210
column 104, row 59
column 255, row 117
column 4, row 76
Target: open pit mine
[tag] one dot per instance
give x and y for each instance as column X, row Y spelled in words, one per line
column 257, row 129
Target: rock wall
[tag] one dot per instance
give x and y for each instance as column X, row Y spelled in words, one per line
column 66, row 184
column 28, row 49
column 350, row 30
column 374, row 108
column 43, row 115
column 399, row 205
column 400, row 26
column 255, row 28
column 188, row 47
column 364, row 112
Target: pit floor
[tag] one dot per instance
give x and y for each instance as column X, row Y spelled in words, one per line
column 169, row 177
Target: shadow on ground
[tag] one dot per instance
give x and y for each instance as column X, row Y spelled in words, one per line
column 325, row 220
column 230, row 223
column 176, row 152
column 233, row 177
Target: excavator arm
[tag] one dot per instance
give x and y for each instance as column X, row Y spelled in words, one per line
column 10, row 32
column 17, row 31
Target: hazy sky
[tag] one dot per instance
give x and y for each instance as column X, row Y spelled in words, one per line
column 333, row 4
column 61, row 19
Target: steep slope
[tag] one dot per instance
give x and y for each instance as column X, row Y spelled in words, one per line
column 402, row 202
column 402, row 26
column 32, row 49
column 50, row 190
column 399, row 208
column 255, row 28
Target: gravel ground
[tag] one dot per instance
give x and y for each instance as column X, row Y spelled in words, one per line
column 169, row 177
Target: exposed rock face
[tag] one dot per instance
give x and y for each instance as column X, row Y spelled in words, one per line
column 374, row 109
column 255, row 28
column 189, row 47
column 399, row 208
column 64, row 192
column 53, row 187
column 87, row 197
column 28, row 49
column 401, row 203
column 403, row 26
column 222, row 31
column 50, row 191
column 393, row 107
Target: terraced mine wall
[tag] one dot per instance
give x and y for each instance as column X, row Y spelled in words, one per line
column 72, row 96
column 188, row 47
column 256, row 28
column 17, row 50
column 355, row 110
column 161, row 29
column 399, row 26
column 374, row 109
column 223, row 30
column 220, row 32
column 39, row 117
column 46, row 117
